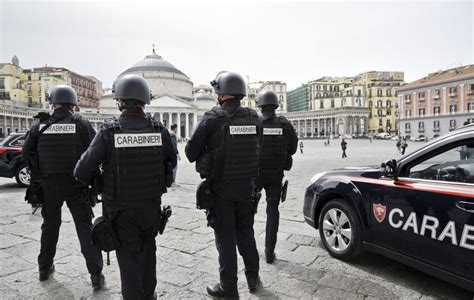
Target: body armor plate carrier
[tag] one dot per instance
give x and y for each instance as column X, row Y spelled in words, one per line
column 237, row 158
column 274, row 147
column 60, row 146
column 135, row 170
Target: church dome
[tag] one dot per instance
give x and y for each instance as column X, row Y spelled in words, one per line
column 153, row 63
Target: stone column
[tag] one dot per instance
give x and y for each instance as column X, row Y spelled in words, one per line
column 194, row 120
column 186, row 126
column 445, row 102
column 312, row 128
column 461, row 100
column 298, row 128
column 179, row 124
column 429, row 110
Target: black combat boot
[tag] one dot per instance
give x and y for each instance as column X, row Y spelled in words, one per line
column 98, row 280
column 217, row 291
column 269, row 256
column 253, row 281
column 44, row 275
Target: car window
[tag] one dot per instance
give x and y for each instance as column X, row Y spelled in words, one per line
column 454, row 165
column 18, row 142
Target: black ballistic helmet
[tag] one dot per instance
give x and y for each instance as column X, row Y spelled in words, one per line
column 229, row 83
column 131, row 87
column 267, row 98
column 62, row 94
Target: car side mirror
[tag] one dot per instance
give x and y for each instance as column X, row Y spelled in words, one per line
column 389, row 169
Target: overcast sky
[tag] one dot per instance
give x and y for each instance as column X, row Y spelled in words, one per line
column 290, row 41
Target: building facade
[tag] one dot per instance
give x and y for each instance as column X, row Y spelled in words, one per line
column 255, row 88
column 297, row 99
column 437, row 103
column 380, row 89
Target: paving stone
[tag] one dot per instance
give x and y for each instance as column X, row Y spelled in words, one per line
column 335, row 294
column 8, row 240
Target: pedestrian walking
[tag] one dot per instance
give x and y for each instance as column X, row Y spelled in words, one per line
column 55, row 144
column 344, row 147
column 137, row 156
column 404, row 146
column 398, row 145
column 225, row 146
column 301, row 147
column 279, row 144
column 174, row 129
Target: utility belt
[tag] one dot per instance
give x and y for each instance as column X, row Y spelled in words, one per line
column 105, row 238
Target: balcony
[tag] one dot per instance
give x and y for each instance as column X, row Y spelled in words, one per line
column 453, row 94
column 421, row 130
column 407, row 101
column 407, row 130
column 436, row 97
column 436, row 129
column 421, row 99
column 451, row 128
column 470, row 92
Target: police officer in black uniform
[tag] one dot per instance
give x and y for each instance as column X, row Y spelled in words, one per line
column 225, row 146
column 59, row 140
column 279, row 144
column 133, row 151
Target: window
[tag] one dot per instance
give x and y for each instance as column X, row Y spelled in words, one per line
column 436, row 124
column 407, row 98
column 379, row 103
column 333, row 103
column 379, row 92
column 407, row 126
column 436, row 94
column 379, row 113
column 388, row 124
column 470, row 107
column 421, row 125
column 389, row 92
column 421, row 112
column 421, row 95
column 436, row 110
column 281, row 98
column 2, row 83
column 370, row 104
column 380, row 122
column 408, row 113
column 359, row 93
column 452, row 108
column 452, row 165
column 452, row 91
column 321, row 104
column 389, row 103
column 389, row 112
column 452, row 124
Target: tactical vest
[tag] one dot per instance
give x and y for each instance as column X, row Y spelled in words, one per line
column 136, row 169
column 60, row 146
column 237, row 158
column 274, row 147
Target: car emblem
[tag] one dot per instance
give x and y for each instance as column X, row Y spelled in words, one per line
column 379, row 212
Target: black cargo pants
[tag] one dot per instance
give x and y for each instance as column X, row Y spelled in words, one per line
column 272, row 188
column 136, row 229
column 56, row 190
column 234, row 228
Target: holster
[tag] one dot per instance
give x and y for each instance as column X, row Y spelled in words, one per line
column 104, row 236
column 284, row 190
column 164, row 216
column 288, row 163
column 256, row 195
column 34, row 193
column 205, row 196
column 204, row 165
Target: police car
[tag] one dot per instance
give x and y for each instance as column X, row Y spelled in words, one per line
column 418, row 210
column 11, row 162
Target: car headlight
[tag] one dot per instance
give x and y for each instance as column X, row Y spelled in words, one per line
column 316, row 177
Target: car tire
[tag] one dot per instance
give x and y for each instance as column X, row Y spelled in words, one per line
column 22, row 175
column 340, row 230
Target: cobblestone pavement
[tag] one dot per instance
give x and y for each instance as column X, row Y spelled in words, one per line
column 187, row 258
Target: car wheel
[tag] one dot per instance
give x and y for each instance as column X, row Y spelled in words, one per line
column 340, row 230
column 22, row 176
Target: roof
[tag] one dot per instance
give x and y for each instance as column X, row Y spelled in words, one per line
column 203, row 95
column 450, row 75
column 153, row 63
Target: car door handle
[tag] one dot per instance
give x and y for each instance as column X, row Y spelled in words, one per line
column 466, row 206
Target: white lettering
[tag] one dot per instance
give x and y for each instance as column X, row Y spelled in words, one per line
column 251, row 129
column 411, row 222
column 272, row 131
column 433, row 227
column 390, row 218
column 449, row 231
column 467, row 234
column 59, row 129
column 124, row 140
